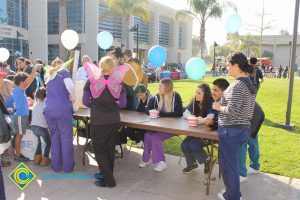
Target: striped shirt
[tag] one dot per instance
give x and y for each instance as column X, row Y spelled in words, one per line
column 238, row 102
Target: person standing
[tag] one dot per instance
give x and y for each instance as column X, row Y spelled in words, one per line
column 253, row 146
column 24, row 65
column 257, row 78
column 58, row 112
column 235, row 112
column 105, row 116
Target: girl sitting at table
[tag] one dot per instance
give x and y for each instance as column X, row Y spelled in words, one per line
column 201, row 108
column 169, row 104
column 103, row 94
column 142, row 98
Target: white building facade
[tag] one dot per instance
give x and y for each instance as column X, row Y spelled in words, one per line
column 280, row 46
column 43, row 24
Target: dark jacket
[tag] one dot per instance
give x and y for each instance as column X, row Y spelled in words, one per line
column 177, row 108
column 257, row 120
column 137, row 103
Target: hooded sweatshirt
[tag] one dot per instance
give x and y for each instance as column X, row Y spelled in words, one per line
column 238, row 100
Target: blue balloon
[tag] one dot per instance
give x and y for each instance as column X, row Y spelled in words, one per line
column 157, row 56
column 195, row 68
column 233, row 23
column 105, row 40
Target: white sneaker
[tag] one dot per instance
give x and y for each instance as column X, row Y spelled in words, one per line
column 220, row 195
column 160, row 166
column 118, row 149
column 140, row 144
column 250, row 170
column 143, row 164
column 243, row 179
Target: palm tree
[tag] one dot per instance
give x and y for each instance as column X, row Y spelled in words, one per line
column 251, row 44
column 127, row 8
column 202, row 10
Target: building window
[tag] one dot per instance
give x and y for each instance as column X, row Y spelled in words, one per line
column 25, row 14
column 75, row 13
column 14, row 45
column 164, row 33
column 3, row 12
column 53, row 17
column 181, row 37
column 143, row 30
column 109, row 23
column 53, row 52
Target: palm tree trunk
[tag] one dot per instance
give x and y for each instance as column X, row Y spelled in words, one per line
column 202, row 36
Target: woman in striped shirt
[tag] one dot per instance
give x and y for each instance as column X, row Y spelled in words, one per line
column 235, row 112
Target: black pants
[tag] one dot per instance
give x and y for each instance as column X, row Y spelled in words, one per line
column 103, row 139
column 136, row 135
column 2, row 190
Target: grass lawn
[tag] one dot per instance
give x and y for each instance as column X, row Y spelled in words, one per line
column 279, row 149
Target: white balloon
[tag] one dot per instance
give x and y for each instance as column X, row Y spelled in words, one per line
column 4, row 54
column 69, row 39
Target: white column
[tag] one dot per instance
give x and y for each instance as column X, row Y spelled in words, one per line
column 173, row 50
column 155, row 28
column 187, row 37
column 90, row 46
column 131, row 23
column 37, row 30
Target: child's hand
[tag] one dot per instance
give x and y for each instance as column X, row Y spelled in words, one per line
column 10, row 110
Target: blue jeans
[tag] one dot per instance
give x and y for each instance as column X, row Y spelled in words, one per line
column 193, row 150
column 230, row 141
column 2, row 189
column 44, row 133
column 253, row 150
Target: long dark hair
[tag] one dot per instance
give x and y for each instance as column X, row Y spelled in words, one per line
column 241, row 60
column 201, row 109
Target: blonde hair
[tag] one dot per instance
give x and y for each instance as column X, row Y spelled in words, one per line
column 6, row 91
column 55, row 65
column 86, row 58
column 106, row 65
column 167, row 97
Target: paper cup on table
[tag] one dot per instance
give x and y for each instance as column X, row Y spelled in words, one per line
column 153, row 114
column 192, row 121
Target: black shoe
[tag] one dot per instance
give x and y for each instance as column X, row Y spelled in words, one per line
column 21, row 158
column 189, row 169
column 206, row 166
column 101, row 183
column 98, row 176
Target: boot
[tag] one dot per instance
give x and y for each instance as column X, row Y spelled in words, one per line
column 37, row 159
column 45, row 161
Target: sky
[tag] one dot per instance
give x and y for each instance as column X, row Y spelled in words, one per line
column 279, row 12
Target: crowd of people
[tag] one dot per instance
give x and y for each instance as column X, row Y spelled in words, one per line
column 228, row 108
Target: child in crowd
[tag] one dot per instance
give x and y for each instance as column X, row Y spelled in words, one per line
column 21, row 82
column 253, row 147
column 103, row 94
column 142, row 98
column 200, row 107
column 40, row 128
column 169, row 104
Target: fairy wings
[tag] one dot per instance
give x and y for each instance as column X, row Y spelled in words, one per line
column 98, row 82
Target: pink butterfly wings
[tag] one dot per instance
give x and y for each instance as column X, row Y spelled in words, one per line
column 98, row 82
